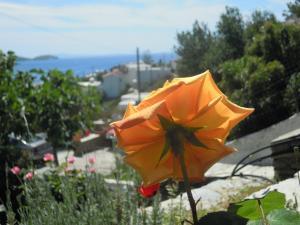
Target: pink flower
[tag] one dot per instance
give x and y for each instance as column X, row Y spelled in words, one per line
column 92, row 160
column 29, row 176
column 15, row 170
column 48, row 157
column 92, row 170
column 71, row 159
column 68, row 170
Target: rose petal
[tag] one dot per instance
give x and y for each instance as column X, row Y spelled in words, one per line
column 218, row 118
column 148, row 191
column 141, row 127
column 199, row 160
column 147, row 162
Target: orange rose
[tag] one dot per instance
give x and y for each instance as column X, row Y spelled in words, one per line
column 193, row 110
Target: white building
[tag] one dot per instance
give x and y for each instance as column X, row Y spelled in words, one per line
column 148, row 74
column 131, row 98
column 114, row 84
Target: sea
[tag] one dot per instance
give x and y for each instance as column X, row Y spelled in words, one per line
column 82, row 66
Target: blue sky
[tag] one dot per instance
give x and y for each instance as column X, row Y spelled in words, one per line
column 98, row 27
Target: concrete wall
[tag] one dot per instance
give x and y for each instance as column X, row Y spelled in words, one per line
column 254, row 141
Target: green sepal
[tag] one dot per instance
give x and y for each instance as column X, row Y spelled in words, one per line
column 165, row 123
column 191, row 138
column 164, row 151
column 194, row 129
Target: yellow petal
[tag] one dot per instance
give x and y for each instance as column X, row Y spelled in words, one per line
column 157, row 96
column 183, row 102
column 196, row 92
column 141, row 127
column 145, row 161
column 199, row 160
column 129, row 110
column 208, row 92
column 218, row 118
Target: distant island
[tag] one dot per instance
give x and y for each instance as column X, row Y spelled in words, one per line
column 45, row 57
column 40, row 57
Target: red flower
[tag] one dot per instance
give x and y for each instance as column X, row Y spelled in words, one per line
column 87, row 132
column 148, row 191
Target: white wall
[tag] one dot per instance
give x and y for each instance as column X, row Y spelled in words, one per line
column 148, row 75
column 113, row 85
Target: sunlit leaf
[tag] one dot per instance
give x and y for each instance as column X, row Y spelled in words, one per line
column 280, row 217
column 250, row 208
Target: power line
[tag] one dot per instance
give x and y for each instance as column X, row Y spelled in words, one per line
column 60, row 35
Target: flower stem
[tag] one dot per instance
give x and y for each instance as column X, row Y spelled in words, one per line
column 188, row 187
column 264, row 218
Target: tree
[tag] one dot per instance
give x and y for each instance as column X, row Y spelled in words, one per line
column 278, row 42
column 257, row 22
column 11, row 100
column 231, row 31
column 13, row 93
column 60, row 107
column 292, row 93
column 192, row 47
column 293, row 10
column 147, row 58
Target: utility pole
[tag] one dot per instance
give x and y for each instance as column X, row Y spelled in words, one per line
column 138, row 74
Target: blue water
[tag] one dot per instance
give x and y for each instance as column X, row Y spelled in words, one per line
column 84, row 65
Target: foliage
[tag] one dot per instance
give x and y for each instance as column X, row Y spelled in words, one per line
column 147, row 58
column 14, row 106
column 59, row 106
column 231, row 32
column 270, row 205
column 292, row 96
column 250, row 208
column 279, row 217
column 293, row 10
column 11, row 99
column 255, row 25
column 89, row 204
column 193, row 45
column 56, row 105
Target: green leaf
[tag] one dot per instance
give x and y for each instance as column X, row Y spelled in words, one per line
column 280, row 217
column 250, row 209
column 164, row 151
